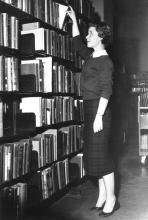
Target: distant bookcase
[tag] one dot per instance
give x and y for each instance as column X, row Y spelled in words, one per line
column 41, row 108
column 143, row 123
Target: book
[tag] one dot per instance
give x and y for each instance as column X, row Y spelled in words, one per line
column 47, row 74
column 32, row 68
column 62, row 9
column 40, row 38
column 1, row 118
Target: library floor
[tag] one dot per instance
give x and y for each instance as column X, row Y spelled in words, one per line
column 132, row 180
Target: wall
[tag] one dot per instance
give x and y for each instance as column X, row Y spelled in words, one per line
column 105, row 10
column 99, row 7
column 132, row 34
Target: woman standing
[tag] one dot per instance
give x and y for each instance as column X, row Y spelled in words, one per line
column 96, row 88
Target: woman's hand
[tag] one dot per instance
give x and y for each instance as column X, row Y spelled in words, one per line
column 71, row 13
column 98, row 123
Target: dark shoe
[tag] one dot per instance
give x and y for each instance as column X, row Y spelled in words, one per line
column 106, row 214
column 97, row 208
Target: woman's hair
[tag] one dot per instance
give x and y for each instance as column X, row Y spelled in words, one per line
column 104, row 32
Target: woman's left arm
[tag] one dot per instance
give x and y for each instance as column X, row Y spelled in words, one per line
column 105, row 93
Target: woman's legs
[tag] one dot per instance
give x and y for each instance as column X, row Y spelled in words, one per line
column 109, row 182
column 102, row 193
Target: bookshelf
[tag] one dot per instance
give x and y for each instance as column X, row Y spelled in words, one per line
column 41, row 108
column 140, row 88
column 143, row 126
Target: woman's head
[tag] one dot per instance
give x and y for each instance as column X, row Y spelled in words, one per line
column 102, row 30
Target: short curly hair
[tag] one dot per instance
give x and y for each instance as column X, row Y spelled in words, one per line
column 104, row 32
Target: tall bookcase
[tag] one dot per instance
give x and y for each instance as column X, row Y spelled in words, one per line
column 41, row 108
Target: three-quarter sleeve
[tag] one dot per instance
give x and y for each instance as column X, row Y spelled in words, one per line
column 81, row 47
column 106, row 81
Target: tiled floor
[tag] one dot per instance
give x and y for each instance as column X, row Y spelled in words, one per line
column 132, row 182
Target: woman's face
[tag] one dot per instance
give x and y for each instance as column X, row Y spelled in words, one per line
column 93, row 40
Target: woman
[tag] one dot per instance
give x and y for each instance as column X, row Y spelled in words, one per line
column 96, row 88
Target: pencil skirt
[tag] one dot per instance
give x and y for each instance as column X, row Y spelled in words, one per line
column 97, row 159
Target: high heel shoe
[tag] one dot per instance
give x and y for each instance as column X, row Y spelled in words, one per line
column 115, row 208
column 97, row 208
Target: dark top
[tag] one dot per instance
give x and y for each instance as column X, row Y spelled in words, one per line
column 96, row 77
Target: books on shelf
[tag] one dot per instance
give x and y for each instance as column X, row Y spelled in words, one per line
column 55, row 144
column 47, row 73
column 15, row 160
column 50, row 42
column 32, row 68
column 9, row 29
column 144, row 99
column 49, row 110
column 8, row 117
column 55, row 178
column 9, row 73
column 144, row 143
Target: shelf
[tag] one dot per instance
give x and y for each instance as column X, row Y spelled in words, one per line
column 7, row 51
column 35, row 94
column 38, row 130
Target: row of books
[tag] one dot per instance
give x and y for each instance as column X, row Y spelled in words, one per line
column 14, row 160
column 16, row 199
column 55, row 178
column 9, row 31
column 38, row 75
column 144, row 142
column 49, row 110
column 140, row 89
column 9, row 73
column 8, row 113
column 45, row 75
column 50, row 42
column 54, row 144
column 47, row 9
column 18, row 118
column 18, row 158
column 144, row 99
column 49, row 181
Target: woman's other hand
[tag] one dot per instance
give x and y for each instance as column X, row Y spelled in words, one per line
column 98, row 123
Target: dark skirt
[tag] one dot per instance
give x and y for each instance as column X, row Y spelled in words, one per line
column 97, row 160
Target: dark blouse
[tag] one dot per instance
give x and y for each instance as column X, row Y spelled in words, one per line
column 96, row 77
